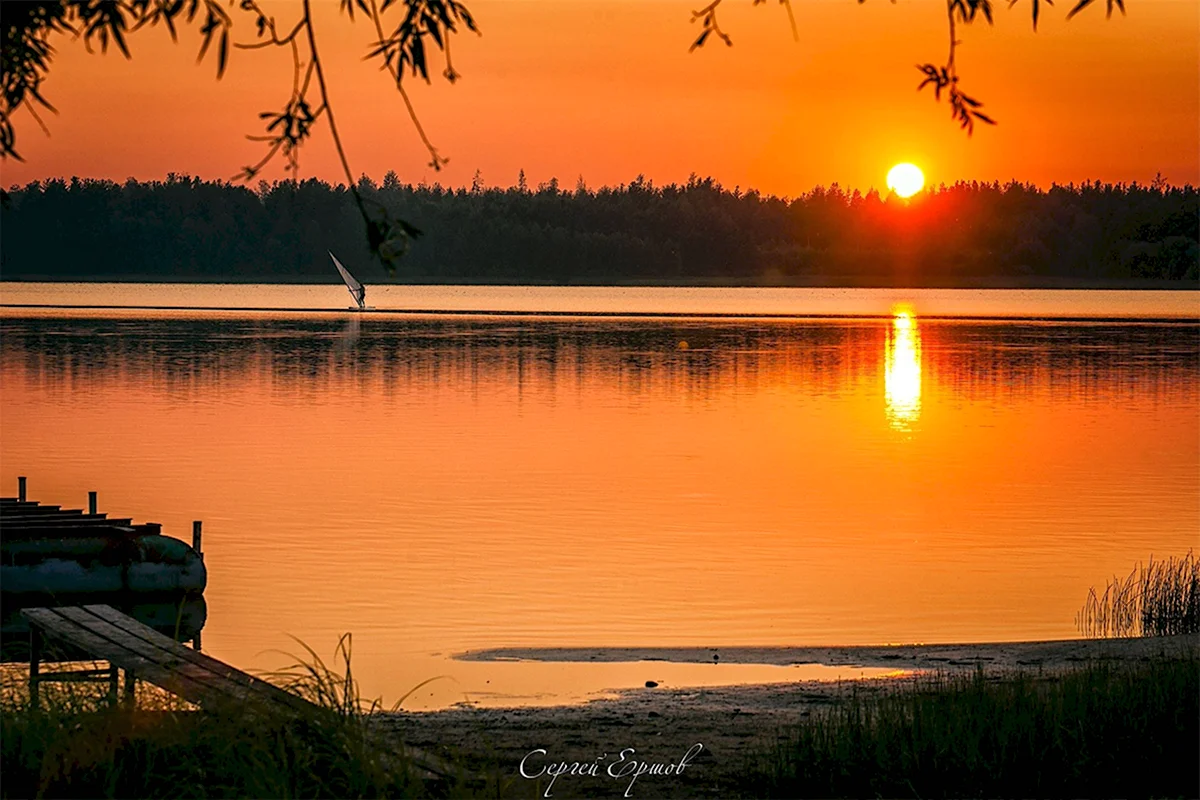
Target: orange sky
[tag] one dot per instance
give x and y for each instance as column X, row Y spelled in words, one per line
column 606, row 89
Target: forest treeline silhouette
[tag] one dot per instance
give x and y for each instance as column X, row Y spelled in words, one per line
column 968, row 234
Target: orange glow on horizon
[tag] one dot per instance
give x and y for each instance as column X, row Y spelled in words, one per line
column 605, row 90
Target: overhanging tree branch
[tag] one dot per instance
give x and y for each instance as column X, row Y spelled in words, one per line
column 963, row 108
column 27, row 55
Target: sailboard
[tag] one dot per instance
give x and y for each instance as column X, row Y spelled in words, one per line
column 357, row 290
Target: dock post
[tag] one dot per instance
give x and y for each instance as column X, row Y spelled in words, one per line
column 91, row 502
column 35, row 660
column 129, row 683
column 196, row 537
column 112, row 683
column 21, row 489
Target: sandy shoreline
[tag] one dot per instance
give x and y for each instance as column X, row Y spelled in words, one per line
column 735, row 724
column 1004, row 655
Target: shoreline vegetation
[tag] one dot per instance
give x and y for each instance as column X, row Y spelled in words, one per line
column 1157, row 598
column 956, row 730
column 1100, row 730
column 1107, row 717
column 969, row 235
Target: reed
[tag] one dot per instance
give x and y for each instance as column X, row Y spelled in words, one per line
column 1159, row 598
column 1104, row 730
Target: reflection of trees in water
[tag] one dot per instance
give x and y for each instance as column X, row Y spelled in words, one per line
column 307, row 356
column 1098, row 360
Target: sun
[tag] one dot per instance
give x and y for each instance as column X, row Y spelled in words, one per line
column 905, row 179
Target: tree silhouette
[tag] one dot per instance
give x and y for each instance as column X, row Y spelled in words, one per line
column 404, row 43
column 969, row 234
column 422, row 25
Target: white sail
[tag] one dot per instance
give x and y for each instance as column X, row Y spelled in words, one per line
column 357, row 291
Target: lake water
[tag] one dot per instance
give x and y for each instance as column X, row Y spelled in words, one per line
column 438, row 483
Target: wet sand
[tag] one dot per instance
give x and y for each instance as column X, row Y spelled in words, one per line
column 736, row 725
column 1003, row 655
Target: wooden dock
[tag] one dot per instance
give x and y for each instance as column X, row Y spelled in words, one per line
column 51, row 555
column 21, row 519
column 105, row 634
column 142, row 653
column 92, row 631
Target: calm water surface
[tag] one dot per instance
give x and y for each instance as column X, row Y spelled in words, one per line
column 442, row 483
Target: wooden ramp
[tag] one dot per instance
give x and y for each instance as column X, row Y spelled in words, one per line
column 145, row 654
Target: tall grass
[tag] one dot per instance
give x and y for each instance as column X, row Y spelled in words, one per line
column 77, row 745
column 1104, row 730
column 1160, row 598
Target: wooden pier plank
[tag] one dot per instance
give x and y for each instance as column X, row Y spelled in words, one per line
column 100, row 647
column 106, row 633
column 127, row 644
column 33, row 509
column 22, row 519
column 51, row 520
column 68, row 531
column 152, row 645
column 174, row 648
column 22, row 516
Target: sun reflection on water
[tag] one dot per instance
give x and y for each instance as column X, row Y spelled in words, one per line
column 902, row 371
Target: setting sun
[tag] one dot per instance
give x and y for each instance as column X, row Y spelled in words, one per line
column 905, row 179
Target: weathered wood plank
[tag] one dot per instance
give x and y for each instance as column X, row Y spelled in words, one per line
column 148, row 646
column 35, row 658
column 13, row 509
column 138, row 637
column 269, row 690
column 34, row 506
column 41, row 516
column 50, row 520
column 68, row 531
column 186, row 686
column 105, row 633
column 75, row 676
column 118, row 646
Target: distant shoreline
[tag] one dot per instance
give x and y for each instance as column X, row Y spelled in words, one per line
column 968, row 236
column 691, row 315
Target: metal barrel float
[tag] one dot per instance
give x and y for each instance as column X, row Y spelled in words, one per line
column 50, row 556
column 99, row 564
